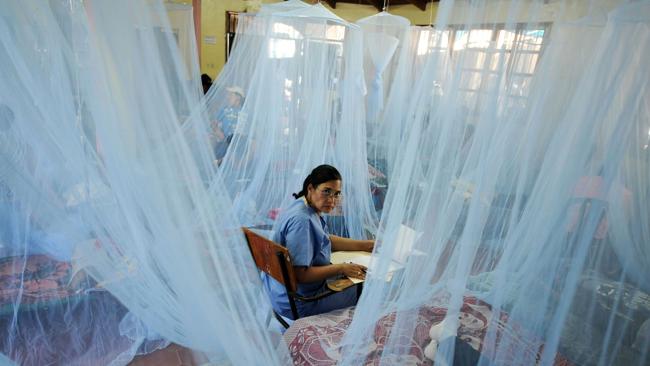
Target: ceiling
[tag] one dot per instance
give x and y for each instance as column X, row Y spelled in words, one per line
column 379, row 4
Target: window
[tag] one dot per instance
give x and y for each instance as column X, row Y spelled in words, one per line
column 490, row 57
column 282, row 48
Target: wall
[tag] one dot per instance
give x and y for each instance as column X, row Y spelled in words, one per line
column 181, row 19
column 213, row 24
column 354, row 12
column 213, row 17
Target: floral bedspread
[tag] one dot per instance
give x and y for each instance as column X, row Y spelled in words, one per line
column 314, row 340
column 33, row 279
column 47, row 318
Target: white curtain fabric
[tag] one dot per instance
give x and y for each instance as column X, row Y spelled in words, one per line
column 288, row 100
column 526, row 191
column 111, row 242
column 383, row 33
column 521, row 170
column 181, row 26
column 389, row 73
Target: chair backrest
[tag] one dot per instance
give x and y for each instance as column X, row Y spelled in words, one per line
column 272, row 259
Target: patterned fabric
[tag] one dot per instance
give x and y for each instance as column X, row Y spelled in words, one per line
column 56, row 322
column 42, row 279
column 314, row 340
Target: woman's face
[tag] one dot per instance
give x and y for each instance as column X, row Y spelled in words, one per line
column 325, row 196
column 234, row 100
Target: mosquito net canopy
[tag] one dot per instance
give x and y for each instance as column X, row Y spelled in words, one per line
column 387, row 42
column 523, row 181
column 111, row 244
column 289, row 99
column 181, row 26
column 383, row 35
column 515, row 230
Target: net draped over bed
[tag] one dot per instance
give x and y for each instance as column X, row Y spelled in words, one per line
column 524, row 179
column 289, row 99
column 516, row 215
column 111, row 243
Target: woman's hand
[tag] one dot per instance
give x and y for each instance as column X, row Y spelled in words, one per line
column 217, row 131
column 367, row 245
column 353, row 270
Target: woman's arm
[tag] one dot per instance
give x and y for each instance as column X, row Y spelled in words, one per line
column 218, row 131
column 339, row 243
column 321, row 273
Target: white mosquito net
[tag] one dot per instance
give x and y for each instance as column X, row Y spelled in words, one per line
column 384, row 37
column 395, row 57
column 290, row 99
column 393, row 125
column 515, row 230
column 387, row 43
column 523, row 184
column 181, row 27
column 111, row 245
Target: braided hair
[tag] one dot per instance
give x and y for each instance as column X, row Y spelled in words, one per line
column 320, row 174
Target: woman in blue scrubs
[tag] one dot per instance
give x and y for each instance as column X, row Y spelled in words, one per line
column 302, row 230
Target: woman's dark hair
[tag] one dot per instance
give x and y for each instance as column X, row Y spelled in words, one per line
column 206, row 81
column 320, row 174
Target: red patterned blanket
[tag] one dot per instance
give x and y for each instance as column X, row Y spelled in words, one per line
column 47, row 319
column 314, row 340
column 33, row 280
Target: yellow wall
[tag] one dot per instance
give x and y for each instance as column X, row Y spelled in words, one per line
column 213, row 17
column 354, row 12
column 213, row 24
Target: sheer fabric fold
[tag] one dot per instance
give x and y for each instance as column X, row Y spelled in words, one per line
column 288, row 100
column 516, row 217
column 523, row 194
column 111, row 243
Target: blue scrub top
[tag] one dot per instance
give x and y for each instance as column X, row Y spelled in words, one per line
column 304, row 233
column 228, row 118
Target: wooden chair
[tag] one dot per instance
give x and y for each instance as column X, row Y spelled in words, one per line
column 274, row 260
